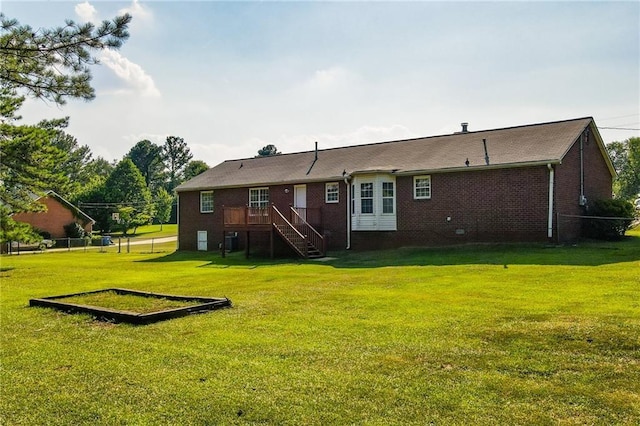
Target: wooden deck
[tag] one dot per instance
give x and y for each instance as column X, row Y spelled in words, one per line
column 293, row 228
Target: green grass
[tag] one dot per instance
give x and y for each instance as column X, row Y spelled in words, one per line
column 473, row 335
column 151, row 231
column 127, row 302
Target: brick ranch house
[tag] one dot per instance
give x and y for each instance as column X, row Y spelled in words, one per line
column 59, row 213
column 516, row 184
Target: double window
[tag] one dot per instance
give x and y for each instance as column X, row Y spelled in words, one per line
column 206, row 202
column 259, row 197
column 422, row 187
column 332, row 191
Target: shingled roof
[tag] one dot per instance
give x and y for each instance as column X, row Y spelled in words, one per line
column 520, row 146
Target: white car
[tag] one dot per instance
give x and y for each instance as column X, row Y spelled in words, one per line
column 42, row 245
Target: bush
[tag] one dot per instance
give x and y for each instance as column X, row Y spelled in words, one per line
column 609, row 229
column 74, row 230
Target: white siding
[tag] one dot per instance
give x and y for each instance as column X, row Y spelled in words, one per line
column 376, row 220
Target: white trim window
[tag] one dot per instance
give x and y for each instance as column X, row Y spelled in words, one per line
column 332, row 192
column 366, row 198
column 374, row 203
column 388, row 198
column 206, row 201
column 422, row 187
column 259, row 197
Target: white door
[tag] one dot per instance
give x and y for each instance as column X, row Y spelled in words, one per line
column 202, row 240
column 300, row 200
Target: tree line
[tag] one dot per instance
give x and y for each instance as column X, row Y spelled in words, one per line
column 53, row 64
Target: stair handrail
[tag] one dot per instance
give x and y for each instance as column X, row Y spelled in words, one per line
column 312, row 234
column 284, row 222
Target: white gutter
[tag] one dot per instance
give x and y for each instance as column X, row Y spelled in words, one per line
column 550, row 219
column 346, row 181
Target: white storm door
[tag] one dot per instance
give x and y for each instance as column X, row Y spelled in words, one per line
column 300, row 200
column 202, row 240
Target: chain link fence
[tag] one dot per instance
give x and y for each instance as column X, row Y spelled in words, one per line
column 102, row 244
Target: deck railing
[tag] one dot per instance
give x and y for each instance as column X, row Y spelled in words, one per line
column 307, row 230
column 295, row 229
column 290, row 233
column 247, row 215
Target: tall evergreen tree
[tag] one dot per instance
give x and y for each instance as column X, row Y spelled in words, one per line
column 147, row 157
column 127, row 191
column 176, row 155
column 53, row 63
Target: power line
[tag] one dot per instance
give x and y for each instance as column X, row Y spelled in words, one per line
column 620, row 116
column 618, row 128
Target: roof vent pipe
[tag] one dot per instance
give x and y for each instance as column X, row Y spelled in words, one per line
column 486, row 153
column 316, row 159
column 464, row 127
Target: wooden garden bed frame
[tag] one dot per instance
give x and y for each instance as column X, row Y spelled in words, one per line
column 201, row 304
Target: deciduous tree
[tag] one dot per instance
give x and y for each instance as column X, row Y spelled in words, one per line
column 267, row 151
column 194, row 168
column 625, row 156
column 163, row 202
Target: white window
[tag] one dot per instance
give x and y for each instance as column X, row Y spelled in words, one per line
column 332, row 190
column 421, row 187
column 259, row 197
column 388, row 198
column 374, row 203
column 353, row 200
column 366, row 198
column 206, row 201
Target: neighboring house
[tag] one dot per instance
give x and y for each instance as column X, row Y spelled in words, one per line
column 517, row 184
column 59, row 213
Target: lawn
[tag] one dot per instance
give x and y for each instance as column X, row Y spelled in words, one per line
column 473, row 335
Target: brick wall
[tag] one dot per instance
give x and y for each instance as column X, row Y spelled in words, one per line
column 52, row 220
column 597, row 185
column 474, row 206
column 331, row 216
column 499, row 205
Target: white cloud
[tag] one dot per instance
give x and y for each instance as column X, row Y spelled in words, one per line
column 86, row 12
column 141, row 14
column 133, row 74
column 329, row 80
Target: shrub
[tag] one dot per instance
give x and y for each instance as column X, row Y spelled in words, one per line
column 609, row 229
column 74, row 230
column 44, row 234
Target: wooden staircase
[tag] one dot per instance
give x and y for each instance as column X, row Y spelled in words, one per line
column 302, row 237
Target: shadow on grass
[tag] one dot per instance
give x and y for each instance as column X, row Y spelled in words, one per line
column 589, row 253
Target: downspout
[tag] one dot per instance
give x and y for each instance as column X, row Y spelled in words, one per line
column 346, row 181
column 550, row 218
column 583, row 200
column 178, row 216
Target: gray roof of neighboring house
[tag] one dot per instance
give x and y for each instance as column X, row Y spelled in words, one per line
column 509, row 147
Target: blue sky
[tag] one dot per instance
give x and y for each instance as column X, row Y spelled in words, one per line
column 231, row 77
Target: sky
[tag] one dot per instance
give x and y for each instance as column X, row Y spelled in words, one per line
column 232, row 77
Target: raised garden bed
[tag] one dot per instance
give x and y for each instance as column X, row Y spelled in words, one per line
column 131, row 306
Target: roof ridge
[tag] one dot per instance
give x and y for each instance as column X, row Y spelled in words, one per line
column 413, row 139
